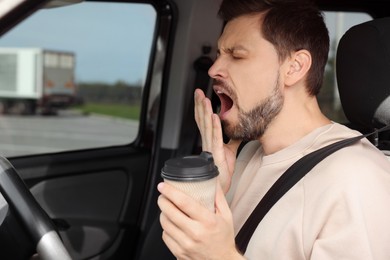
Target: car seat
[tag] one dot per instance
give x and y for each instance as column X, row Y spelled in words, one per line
column 363, row 77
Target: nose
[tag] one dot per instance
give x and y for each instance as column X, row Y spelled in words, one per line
column 217, row 70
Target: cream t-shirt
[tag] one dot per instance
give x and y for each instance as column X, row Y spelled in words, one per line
column 339, row 210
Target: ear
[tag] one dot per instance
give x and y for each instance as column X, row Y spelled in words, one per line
column 298, row 65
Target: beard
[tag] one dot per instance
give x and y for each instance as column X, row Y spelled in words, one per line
column 253, row 124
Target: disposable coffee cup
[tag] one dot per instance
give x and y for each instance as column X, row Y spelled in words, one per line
column 196, row 175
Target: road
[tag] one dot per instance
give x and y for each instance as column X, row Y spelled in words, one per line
column 69, row 130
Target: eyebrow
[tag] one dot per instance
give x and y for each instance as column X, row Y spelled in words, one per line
column 233, row 49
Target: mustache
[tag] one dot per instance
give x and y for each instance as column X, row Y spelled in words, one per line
column 224, row 85
column 218, row 82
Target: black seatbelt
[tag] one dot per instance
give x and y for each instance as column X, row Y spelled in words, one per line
column 288, row 179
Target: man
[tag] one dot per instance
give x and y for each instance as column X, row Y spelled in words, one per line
column 269, row 69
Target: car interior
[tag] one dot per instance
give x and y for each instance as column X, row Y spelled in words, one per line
column 368, row 108
column 91, row 175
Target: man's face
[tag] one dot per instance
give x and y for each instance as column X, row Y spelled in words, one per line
column 247, row 79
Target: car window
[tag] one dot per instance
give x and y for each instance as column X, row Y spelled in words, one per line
column 338, row 23
column 73, row 77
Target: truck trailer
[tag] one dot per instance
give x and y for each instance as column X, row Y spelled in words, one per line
column 36, row 80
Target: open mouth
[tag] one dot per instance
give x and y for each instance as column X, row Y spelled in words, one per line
column 226, row 101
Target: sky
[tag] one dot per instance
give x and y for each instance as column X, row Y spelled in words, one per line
column 111, row 41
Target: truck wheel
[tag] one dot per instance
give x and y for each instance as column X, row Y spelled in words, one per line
column 25, row 107
column 30, row 108
column 19, row 108
column 3, row 108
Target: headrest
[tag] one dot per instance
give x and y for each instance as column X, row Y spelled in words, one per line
column 363, row 73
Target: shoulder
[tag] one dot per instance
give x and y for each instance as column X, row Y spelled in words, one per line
column 359, row 173
column 357, row 159
column 354, row 160
column 360, row 168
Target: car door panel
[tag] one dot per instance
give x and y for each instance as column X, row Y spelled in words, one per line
column 93, row 204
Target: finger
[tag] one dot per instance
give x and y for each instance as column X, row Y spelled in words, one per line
column 171, row 243
column 172, row 235
column 180, row 249
column 191, row 210
column 169, row 226
column 217, row 139
column 170, row 210
column 203, row 112
column 199, row 115
column 173, row 221
column 207, row 126
column 198, row 98
column 219, row 154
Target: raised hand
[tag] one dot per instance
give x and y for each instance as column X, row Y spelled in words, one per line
column 210, row 129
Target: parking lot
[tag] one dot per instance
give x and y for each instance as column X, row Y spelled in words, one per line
column 69, row 130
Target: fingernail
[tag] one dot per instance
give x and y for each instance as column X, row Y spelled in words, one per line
column 160, row 186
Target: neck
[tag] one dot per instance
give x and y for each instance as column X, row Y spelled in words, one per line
column 295, row 120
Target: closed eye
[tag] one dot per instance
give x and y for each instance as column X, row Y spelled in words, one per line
column 237, row 57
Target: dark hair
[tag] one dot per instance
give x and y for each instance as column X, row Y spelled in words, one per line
column 290, row 26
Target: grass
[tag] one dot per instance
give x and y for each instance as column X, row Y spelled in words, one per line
column 115, row 110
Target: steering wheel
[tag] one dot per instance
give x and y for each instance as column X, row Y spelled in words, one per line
column 25, row 211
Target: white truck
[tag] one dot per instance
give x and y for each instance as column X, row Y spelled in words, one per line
column 35, row 80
